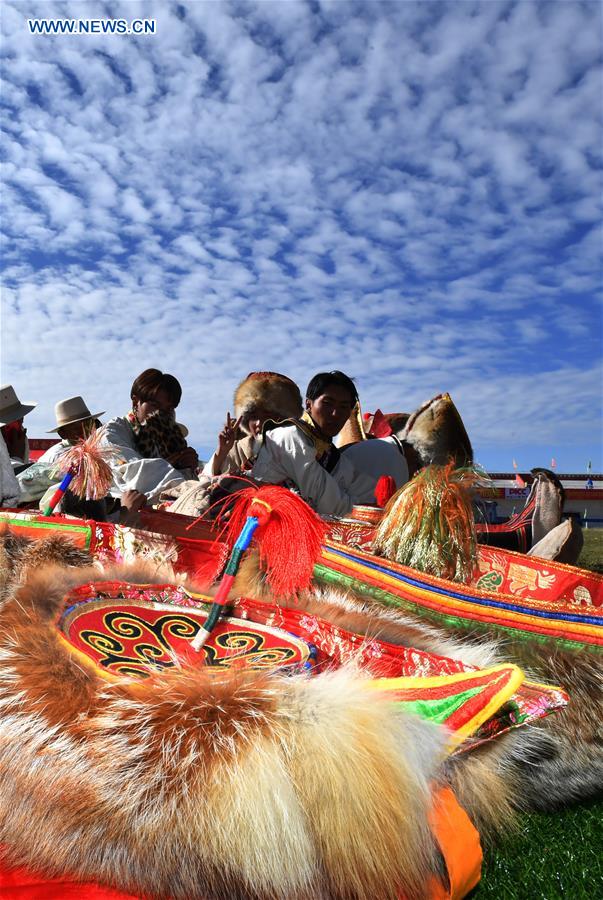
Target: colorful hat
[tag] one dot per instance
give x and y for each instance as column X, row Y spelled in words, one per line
column 72, row 410
column 11, row 408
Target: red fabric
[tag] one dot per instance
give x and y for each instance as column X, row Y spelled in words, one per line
column 23, row 884
column 380, row 427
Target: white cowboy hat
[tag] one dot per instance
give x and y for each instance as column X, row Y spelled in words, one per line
column 72, row 410
column 11, row 407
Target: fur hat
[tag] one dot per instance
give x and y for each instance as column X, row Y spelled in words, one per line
column 274, row 392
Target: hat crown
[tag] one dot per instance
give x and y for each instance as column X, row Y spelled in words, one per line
column 11, row 408
column 71, row 410
column 8, row 396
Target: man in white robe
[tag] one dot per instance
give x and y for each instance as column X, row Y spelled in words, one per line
column 301, row 454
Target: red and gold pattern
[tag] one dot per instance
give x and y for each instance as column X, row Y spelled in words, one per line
column 128, row 636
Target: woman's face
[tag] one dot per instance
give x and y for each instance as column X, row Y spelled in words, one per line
column 332, row 409
column 144, row 408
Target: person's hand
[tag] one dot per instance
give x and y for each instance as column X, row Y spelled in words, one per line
column 227, row 436
column 226, row 440
column 184, row 459
column 132, row 500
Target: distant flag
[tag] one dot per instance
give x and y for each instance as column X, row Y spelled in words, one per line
column 520, row 482
column 589, row 481
column 553, row 463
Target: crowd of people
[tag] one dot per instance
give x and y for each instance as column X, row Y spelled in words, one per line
column 274, row 437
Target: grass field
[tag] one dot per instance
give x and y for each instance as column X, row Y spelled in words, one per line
column 551, row 856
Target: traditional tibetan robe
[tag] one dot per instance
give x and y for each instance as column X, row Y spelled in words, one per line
column 295, row 455
column 131, row 470
column 379, row 456
column 240, row 459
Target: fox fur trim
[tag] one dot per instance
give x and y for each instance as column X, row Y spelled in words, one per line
column 193, row 785
column 20, row 555
column 273, row 392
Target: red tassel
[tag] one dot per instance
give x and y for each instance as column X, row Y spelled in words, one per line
column 385, row 490
column 289, row 536
column 214, row 560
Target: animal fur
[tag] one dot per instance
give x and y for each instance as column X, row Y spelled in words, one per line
column 562, row 543
column 189, row 785
column 437, row 433
column 20, row 555
column 555, row 761
column 550, row 497
column 270, row 391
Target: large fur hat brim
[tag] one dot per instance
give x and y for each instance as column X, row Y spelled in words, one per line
column 271, row 391
column 205, row 785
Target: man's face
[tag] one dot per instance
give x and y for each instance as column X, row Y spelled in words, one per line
column 332, row 409
column 75, row 431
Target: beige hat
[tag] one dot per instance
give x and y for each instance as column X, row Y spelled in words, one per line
column 11, row 407
column 72, row 410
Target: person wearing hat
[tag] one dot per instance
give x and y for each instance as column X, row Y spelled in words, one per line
column 14, row 448
column 260, row 397
column 12, row 413
column 74, row 421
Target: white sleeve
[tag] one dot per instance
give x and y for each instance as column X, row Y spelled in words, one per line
column 9, row 486
column 287, row 454
column 131, row 471
column 376, row 457
column 208, row 467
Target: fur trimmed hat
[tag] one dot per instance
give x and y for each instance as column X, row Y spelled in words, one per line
column 271, row 391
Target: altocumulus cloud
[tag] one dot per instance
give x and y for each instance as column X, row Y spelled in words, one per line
column 406, row 191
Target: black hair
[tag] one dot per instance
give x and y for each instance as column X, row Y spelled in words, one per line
column 321, row 382
column 151, row 381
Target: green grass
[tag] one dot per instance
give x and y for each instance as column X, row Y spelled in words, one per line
column 592, row 552
column 552, row 856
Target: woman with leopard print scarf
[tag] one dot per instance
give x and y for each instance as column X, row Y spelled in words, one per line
column 150, row 452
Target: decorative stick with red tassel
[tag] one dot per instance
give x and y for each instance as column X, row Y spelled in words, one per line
column 289, row 537
column 85, row 471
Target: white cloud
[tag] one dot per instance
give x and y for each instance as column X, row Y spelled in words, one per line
column 410, row 192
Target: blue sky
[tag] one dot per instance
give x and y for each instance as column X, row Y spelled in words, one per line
column 410, row 192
